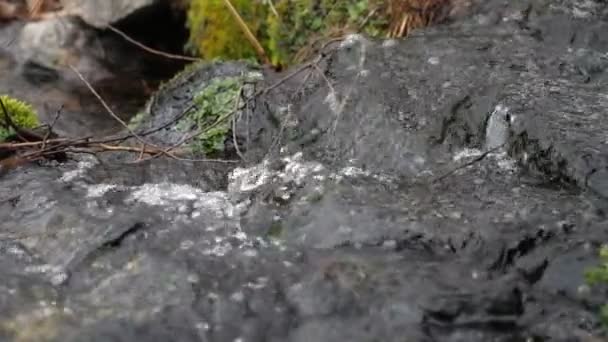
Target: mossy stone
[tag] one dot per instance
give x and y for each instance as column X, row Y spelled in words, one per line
column 21, row 113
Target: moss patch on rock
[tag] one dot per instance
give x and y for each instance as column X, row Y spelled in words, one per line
column 141, row 116
column 275, row 231
column 215, row 105
column 137, row 119
column 21, row 113
column 210, row 91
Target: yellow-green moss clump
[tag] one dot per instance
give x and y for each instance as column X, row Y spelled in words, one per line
column 285, row 28
column 599, row 276
column 21, row 114
column 215, row 34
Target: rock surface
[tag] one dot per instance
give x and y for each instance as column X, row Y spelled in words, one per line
column 37, row 57
column 101, row 14
column 447, row 187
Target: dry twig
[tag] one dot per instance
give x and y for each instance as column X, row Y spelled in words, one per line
column 469, row 163
column 111, row 112
column 50, row 127
column 250, row 36
column 151, row 50
column 44, row 146
column 234, row 120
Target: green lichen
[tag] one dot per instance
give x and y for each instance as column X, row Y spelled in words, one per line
column 599, row 275
column 215, row 105
column 286, row 30
column 22, row 115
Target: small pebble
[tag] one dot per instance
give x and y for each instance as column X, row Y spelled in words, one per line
column 456, row 215
column 203, row 326
column 583, row 290
column 59, row 278
column 187, row 244
column 237, row 296
column 193, row 278
column 389, row 244
column 433, row 60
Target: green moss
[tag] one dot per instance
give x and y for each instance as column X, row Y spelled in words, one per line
column 599, row 275
column 22, row 114
column 215, row 104
column 303, row 22
column 275, row 231
column 215, row 33
column 164, row 86
column 186, row 71
column 137, row 120
column 215, row 101
column 315, row 197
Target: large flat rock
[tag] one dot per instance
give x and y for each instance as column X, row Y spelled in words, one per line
column 445, row 187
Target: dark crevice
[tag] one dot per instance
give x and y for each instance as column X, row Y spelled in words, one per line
column 509, row 255
column 453, row 119
column 106, row 246
column 117, row 241
column 534, row 274
column 161, row 27
column 544, row 162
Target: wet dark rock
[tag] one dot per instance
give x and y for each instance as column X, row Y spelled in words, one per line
column 175, row 99
column 447, row 187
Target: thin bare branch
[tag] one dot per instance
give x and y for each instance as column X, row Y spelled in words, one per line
column 234, row 121
column 105, row 105
column 51, row 126
column 469, row 163
column 48, row 146
column 322, row 73
column 151, row 50
column 35, row 8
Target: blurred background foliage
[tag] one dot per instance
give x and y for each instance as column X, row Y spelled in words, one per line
column 292, row 30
